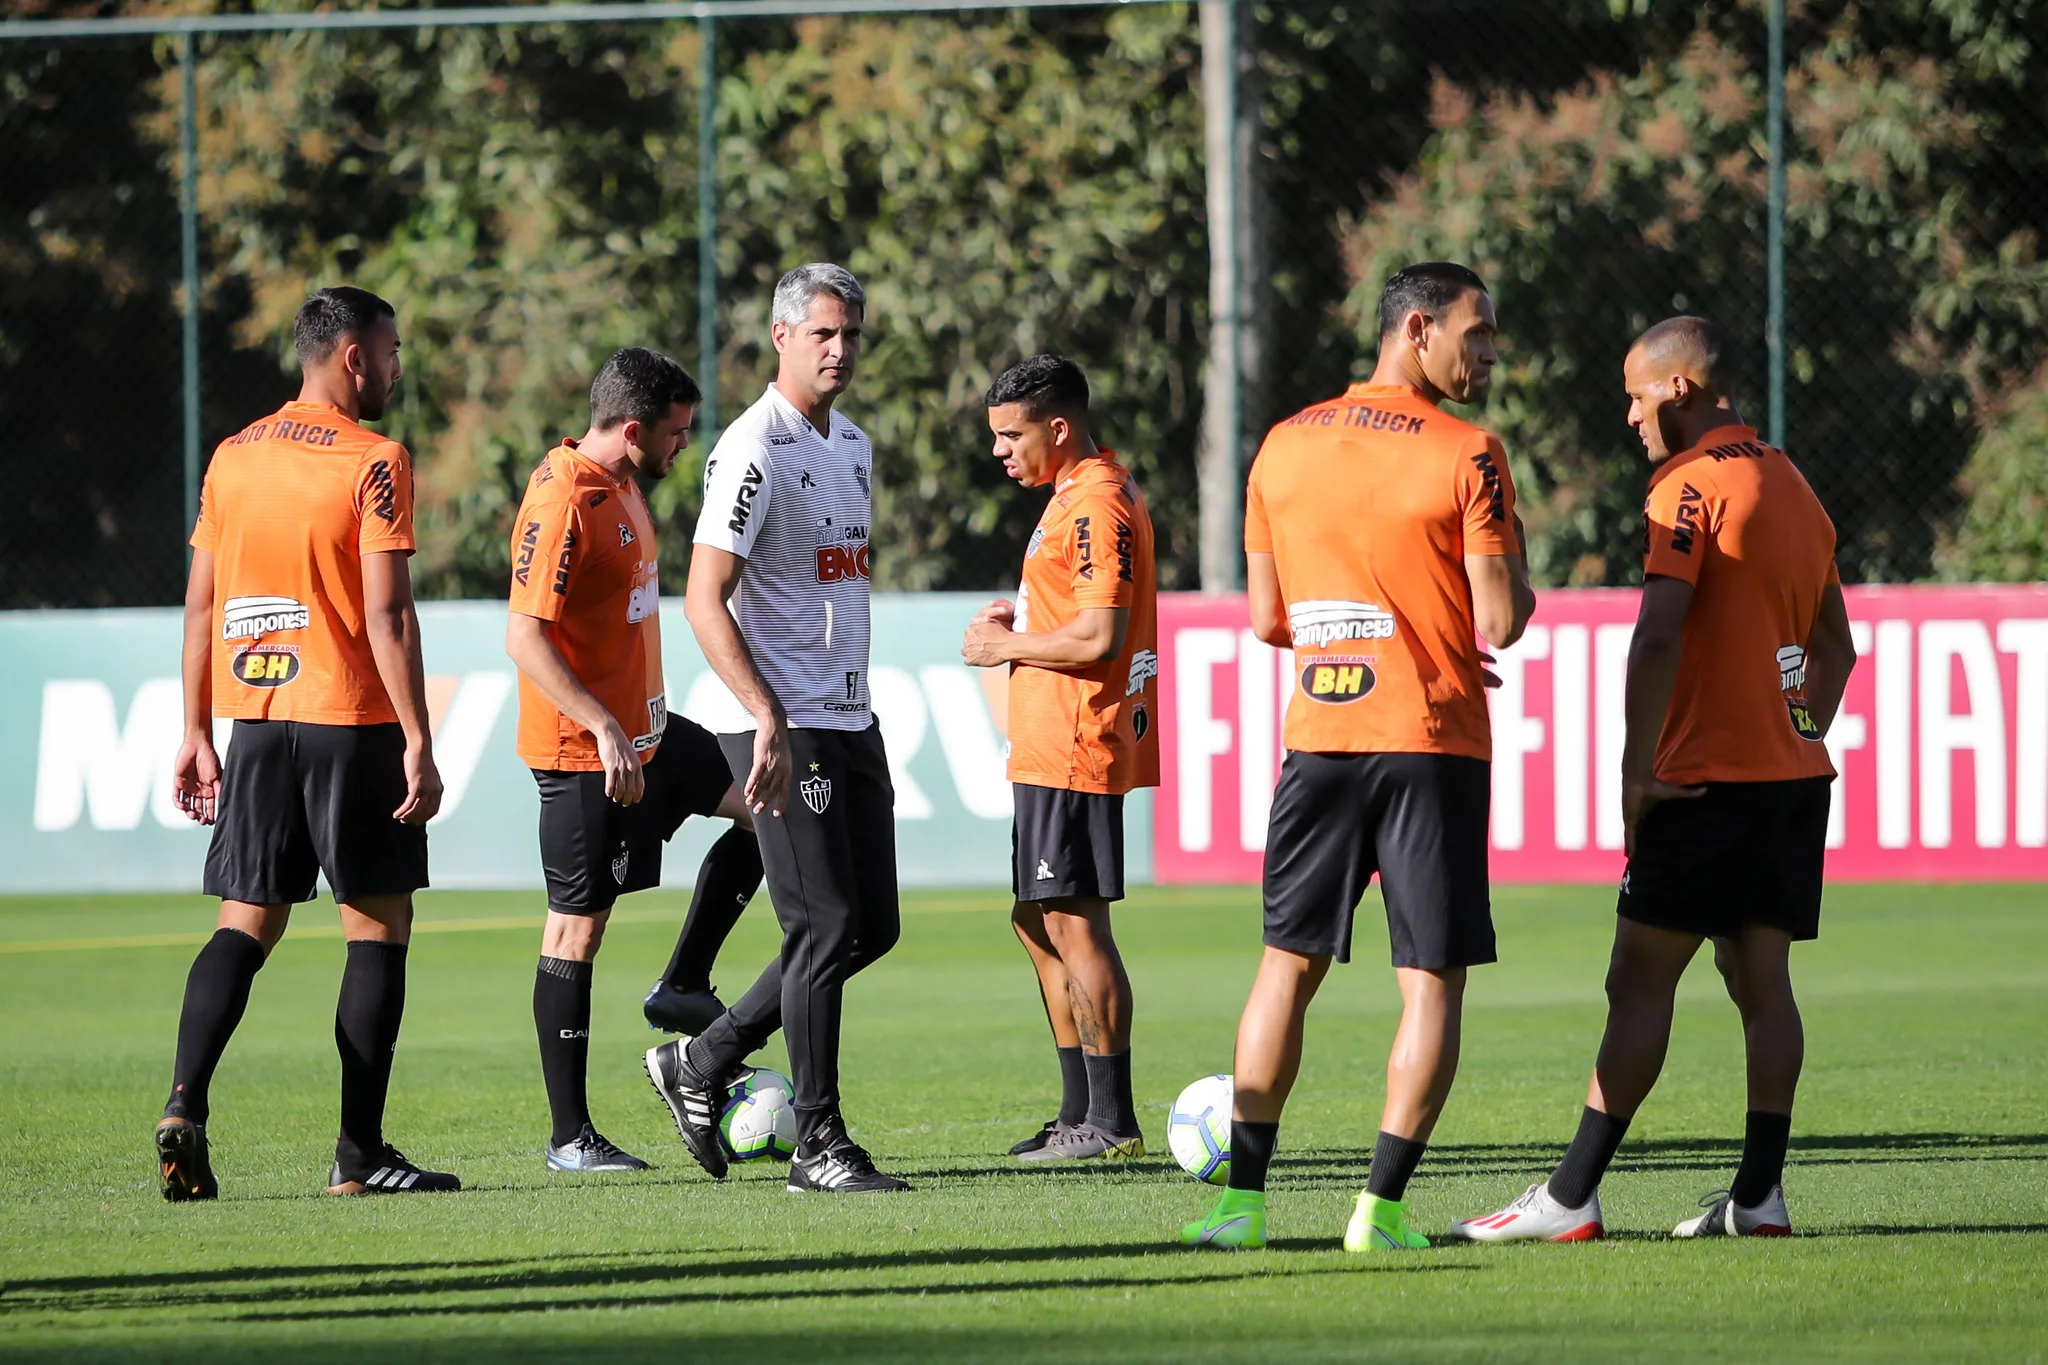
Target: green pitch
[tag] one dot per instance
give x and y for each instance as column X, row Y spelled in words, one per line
column 1919, row 1170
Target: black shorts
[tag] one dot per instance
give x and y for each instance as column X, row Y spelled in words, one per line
column 1419, row 820
column 297, row 800
column 1743, row 853
column 593, row 850
column 1066, row 845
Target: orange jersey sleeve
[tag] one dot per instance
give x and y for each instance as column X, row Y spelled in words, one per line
column 1098, row 548
column 384, row 499
column 1258, row 533
column 1677, row 522
column 1487, row 493
column 544, row 554
column 206, row 532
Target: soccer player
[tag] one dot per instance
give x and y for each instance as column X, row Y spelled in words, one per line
column 1380, row 532
column 778, row 598
column 299, row 624
column 617, row 774
column 1740, row 656
column 1081, row 642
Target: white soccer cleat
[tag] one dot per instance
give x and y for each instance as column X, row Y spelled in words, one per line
column 1535, row 1217
column 1726, row 1218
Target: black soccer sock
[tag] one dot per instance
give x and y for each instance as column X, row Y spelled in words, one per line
column 1393, row 1162
column 561, row 1018
column 216, row 993
column 728, row 879
column 1110, row 1109
column 1764, row 1140
column 1073, row 1086
column 1586, row 1160
column 1251, row 1152
column 366, row 1019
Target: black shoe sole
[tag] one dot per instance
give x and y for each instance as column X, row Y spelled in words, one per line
column 185, row 1173
column 713, row 1161
column 664, row 1020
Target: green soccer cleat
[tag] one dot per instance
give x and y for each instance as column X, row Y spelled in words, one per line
column 1381, row 1225
column 1238, row 1220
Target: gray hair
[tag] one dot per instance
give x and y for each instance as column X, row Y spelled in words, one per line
column 797, row 290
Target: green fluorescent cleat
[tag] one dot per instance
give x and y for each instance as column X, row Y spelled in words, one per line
column 1238, row 1220
column 1381, row 1225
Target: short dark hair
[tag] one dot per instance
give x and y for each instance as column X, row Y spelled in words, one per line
column 1700, row 342
column 1428, row 288
column 339, row 310
column 1044, row 384
column 638, row 385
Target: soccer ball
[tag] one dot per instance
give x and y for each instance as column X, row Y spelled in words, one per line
column 1198, row 1129
column 760, row 1118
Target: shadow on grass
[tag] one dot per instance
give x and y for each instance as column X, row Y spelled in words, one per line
column 273, row 1287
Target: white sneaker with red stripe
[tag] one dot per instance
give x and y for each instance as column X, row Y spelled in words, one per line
column 1535, row 1217
column 1726, row 1218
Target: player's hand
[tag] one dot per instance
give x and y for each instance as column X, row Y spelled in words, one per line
column 1487, row 676
column 1638, row 796
column 195, row 779
column 983, row 646
column 1002, row 611
column 624, row 779
column 422, row 786
column 768, row 780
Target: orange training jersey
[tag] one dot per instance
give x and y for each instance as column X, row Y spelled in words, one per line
column 1734, row 518
column 290, row 506
column 1368, row 504
column 1089, row 728
column 583, row 560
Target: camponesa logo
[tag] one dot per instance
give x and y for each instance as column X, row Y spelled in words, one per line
column 1318, row 625
column 1144, row 668
column 246, row 618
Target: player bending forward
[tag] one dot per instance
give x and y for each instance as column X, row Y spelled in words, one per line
column 299, row 624
column 617, row 774
column 1379, row 531
column 1740, row 656
column 783, row 539
column 1081, row 644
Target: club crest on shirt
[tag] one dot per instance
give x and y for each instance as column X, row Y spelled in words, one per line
column 1336, row 679
column 816, row 792
column 1037, row 539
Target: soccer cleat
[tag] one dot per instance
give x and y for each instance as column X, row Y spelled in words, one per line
column 1086, row 1142
column 839, row 1165
column 1726, row 1218
column 1535, row 1217
column 678, row 1011
column 182, row 1161
column 591, row 1150
column 392, row 1174
column 693, row 1101
column 1037, row 1139
column 1381, row 1225
column 1238, row 1220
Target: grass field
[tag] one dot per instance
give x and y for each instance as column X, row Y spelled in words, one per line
column 1919, row 1173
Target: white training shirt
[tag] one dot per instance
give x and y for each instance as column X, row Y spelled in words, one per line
column 795, row 506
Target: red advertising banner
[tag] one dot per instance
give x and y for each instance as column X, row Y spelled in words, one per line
column 1941, row 743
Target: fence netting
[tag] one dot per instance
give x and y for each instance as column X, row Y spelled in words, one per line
column 1006, row 182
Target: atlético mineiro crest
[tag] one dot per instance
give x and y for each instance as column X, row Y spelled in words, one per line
column 619, row 865
column 816, row 792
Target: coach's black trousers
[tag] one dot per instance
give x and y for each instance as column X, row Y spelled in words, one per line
column 830, row 861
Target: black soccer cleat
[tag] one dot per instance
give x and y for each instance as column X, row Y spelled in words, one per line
column 182, row 1161
column 391, row 1174
column 695, row 1102
column 679, row 1011
column 1038, row 1139
column 836, row 1164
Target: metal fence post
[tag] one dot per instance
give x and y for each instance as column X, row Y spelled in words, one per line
column 1774, row 326
column 188, row 251
column 1218, row 479
column 707, row 227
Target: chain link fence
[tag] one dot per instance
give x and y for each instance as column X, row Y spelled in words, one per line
column 532, row 195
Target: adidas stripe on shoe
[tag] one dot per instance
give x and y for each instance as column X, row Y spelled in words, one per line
column 1535, row 1217
column 393, row 1174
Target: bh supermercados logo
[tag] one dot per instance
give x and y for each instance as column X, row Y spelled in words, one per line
column 265, row 665
column 816, row 791
column 1336, row 679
